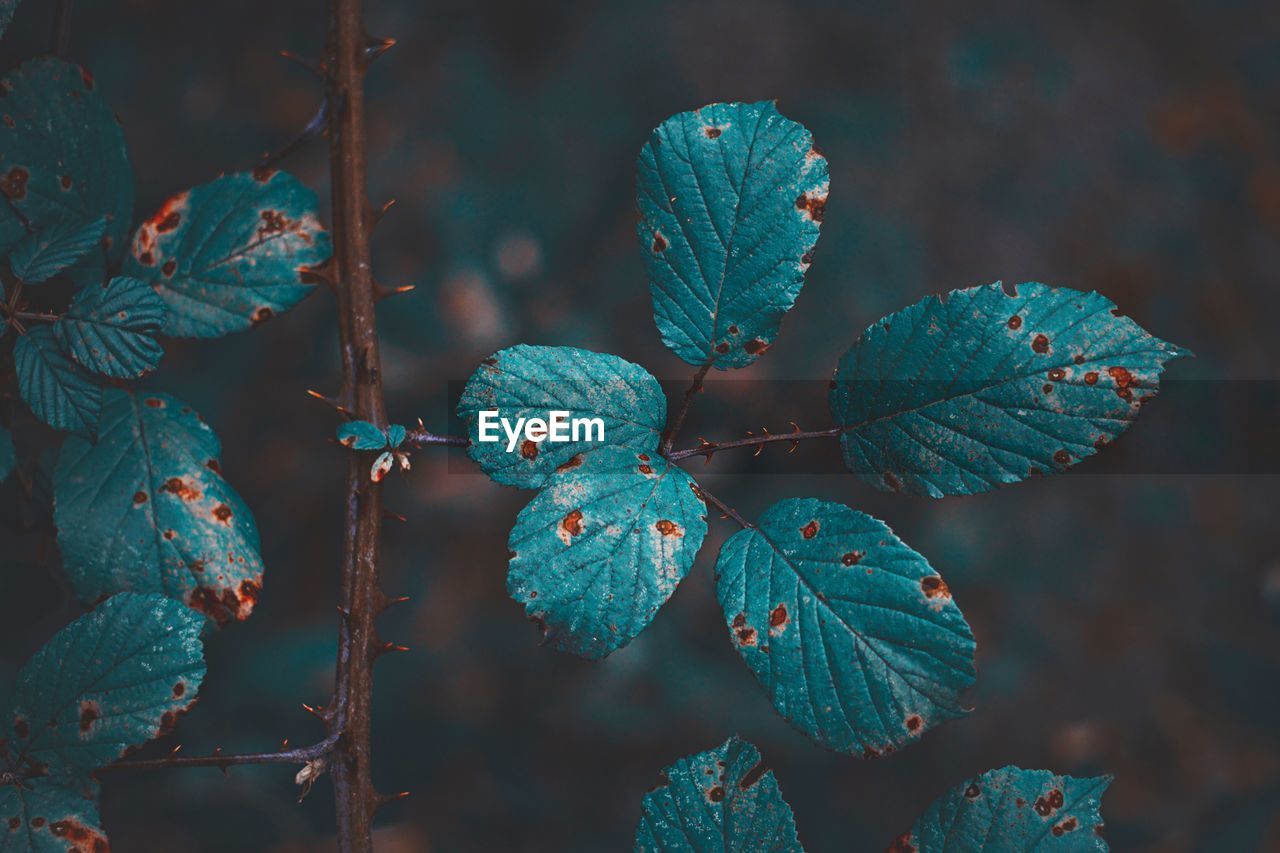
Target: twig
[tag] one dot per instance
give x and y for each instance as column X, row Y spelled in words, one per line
column 677, row 420
column 707, row 448
column 318, row 124
column 299, row 755
column 728, row 511
column 421, row 437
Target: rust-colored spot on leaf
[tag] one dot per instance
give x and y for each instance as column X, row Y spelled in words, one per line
column 1123, row 379
column 715, row 794
column 1079, row 359
column 1049, row 803
column 914, row 723
column 778, row 619
column 570, row 463
column 1065, row 826
column 529, row 449
column 262, row 174
column 646, row 469
column 814, row 205
column 756, row 347
column 82, row 838
column 169, row 222
column 1040, row 343
column 153, row 403
column 902, row 844
column 175, row 486
column 934, row 587
column 14, row 183
column 659, row 243
column 273, row 222
column 139, row 498
column 89, row 714
column 1091, row 378
column 722, row 347
column 810, row 530
column 667, row 527
column 222, row 513
column 1062, row 457
column 572, row 523
column 261, row 316
column 179, row 689
column 1057, row 374
column 851, row 558
column 1015, row 322
column 65, row 182
column 972, row 791
column 169, row 268
column 712, row 132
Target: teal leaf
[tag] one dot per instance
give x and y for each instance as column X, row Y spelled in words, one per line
column 59, row 391
column 731, row 197
column 853, row 635
column 717, row 801
column 115, row 678
column 41, row 255
column 232, row 253
column 958, row 395
column 8, row 457
column 47, row 816
column 603, row 546
column 146, row 509
column 64, row 158
column 396, row 435
column 110, row 328
column 1011, row 810
column 530, row 382
column 361, row 435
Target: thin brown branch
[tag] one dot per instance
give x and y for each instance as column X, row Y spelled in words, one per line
column 709, row 448
column 352, row 768
column 422, row 437
column 677, row 420
column 299, row 755
column 725, row 509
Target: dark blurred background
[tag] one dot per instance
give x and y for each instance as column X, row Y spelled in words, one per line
column 1127, row 621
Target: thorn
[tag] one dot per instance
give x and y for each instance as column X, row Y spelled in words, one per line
column 382, row 211
column 175, row 750
column 394, row 601
column 394, row 516
column 376, row 47
column 320, row 272
column 284, row 744
column 759, row 450
column 389, row 647
column 217, row 751
column 380, row 800
column 316, row 68
column 341, row 409
column 381, row 291
column 344, row 613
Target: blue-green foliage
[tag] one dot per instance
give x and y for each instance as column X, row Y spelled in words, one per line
column 113, row 679
column 530, row 381
column 395, row 435
column 361, row 435
column 852, row 633
column 59, row 391
column 961, row 394
column 731, row 197
column 64, row 159
column 43, row 254
column 232, row 253
column 8, row 457
column 603, row 546
column 145, row 508
column 110, row 328
column 1011, row 810
column 719, row 801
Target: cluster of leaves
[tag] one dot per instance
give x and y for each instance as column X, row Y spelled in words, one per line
column 854, row 636
column 145, row 519
column 110, row 681
column 362, row 436
column 727, row 799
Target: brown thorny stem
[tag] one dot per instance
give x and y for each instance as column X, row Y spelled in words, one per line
column 345, row 751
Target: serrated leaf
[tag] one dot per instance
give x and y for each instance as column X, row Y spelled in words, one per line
column 396, row 434
column 49, row 817
column 43, row 254
column 361, row 435
column 531, row 381
column 1011, row 810
column 8, row 456
column 853, row 635
column 64, row 159
column 232, row 253
column 146, row 509
column 59, row 391
column 718, row 801
column 603, row 546
column 115, row 678
column 110, row 328
column 961, row 394
column 731, row 197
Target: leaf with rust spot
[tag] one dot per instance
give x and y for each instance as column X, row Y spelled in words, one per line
column 1010, row 810
column 49, row 817
column 146, row 509
column 43, row 254
column 361, row 435
column 857, row 656
column 58, row 390
column 110, row 328
column 228, row 254
column 731, row 198
column 106, row 683
column 590, row 563
column 531, row 381
column 962, row 394
column 64, row 160
column 718, row 801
